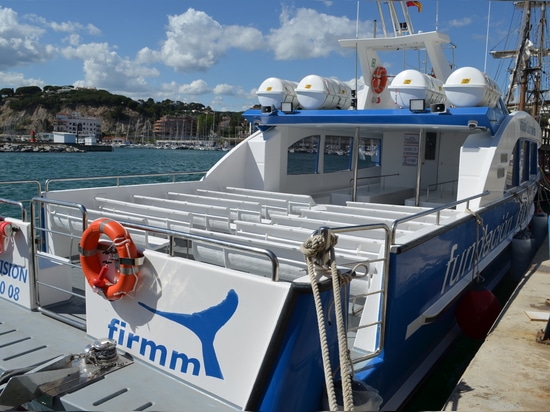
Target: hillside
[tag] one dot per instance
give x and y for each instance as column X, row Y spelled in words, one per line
column 30, row 108
column 41, row 120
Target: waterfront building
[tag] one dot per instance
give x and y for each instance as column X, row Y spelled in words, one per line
column 77, row 124
column 175, row 127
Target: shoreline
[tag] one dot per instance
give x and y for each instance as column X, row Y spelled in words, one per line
column 50, row 147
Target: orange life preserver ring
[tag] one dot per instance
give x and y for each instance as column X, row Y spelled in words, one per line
column 98, row 268
column 379, row 79
column 7, row 232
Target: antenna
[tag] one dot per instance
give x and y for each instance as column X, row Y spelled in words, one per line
column 487, row 38
column 437, row 15
column 354, row 103
column 357, row 21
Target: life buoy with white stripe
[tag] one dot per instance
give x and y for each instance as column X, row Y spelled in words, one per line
column 7, row 232
column 379, row 79
column 111, row 269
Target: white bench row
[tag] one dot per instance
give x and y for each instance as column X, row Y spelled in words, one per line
column 271, row 203
column 294, row 198
column 235, row 210
column 231, row 258
column 346, row 242
column 405, row 209
column 380, row 214
column 374, row 193
column 195, row 215
column 66, row 220
column 314, row 224
column 292, row 261
column 351, row 219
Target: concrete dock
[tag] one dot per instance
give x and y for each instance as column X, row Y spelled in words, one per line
column 511, row 370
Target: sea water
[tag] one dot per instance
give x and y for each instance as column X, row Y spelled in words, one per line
column 36, row 168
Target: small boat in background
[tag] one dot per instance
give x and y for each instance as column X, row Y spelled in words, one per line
column 324, row 262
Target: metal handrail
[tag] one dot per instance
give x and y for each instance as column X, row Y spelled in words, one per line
column 37, row 225
column 373, row 177
column 172, row 234
column 18, row 182
column 435, row 185
column 385, row 276
column 37, row 204
column 118, row 178
column 436, row 210
column 16, row 203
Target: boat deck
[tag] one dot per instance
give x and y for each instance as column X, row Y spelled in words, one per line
column 31, row 338
column 279, row 222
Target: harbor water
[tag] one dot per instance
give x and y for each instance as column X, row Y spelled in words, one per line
column 121, row 161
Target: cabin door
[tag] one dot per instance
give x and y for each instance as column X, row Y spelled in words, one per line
column 430, row 161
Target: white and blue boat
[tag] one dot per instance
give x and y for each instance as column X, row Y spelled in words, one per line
column 322, row 263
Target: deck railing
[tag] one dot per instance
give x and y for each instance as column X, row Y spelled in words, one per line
column 379, row 324
column 172, row 175
column 23, row 190
column 41, row 249
column 368, row 178
column 436, row 210
column 437, row 185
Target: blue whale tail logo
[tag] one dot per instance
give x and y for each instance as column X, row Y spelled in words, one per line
column 205, row 325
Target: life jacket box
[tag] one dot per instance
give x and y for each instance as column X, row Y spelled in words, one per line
column 274, row 91
column 316, row 92
column 412, row 84
column 470, row 87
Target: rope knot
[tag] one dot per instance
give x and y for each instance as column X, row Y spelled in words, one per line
column 317, row 246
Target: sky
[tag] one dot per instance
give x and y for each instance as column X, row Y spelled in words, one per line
column 217, row 52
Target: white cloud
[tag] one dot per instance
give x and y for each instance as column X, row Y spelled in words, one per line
column 195, row 41
column 228, row 90
column 465, row 21
column 307, row 33
column 73, row 39
column 19, row 43
column 16, row 80
column 195, row 88
column 104, row 68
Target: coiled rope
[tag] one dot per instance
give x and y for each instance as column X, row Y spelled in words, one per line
column 319, row 252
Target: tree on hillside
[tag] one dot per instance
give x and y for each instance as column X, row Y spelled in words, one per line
column 6, row 92
column 28, row 90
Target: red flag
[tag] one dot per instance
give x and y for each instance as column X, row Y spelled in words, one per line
column 417, row 4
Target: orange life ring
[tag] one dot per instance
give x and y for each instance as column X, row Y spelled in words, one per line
column 98, row 267
column 379, row 79
column 7, row 232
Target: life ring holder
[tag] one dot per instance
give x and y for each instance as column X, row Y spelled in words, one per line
column 96, row 262
column 379, row 79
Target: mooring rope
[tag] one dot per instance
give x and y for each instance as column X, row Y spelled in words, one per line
column 479, row 224
column 315, row 251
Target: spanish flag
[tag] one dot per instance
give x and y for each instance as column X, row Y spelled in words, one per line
column 415, row 3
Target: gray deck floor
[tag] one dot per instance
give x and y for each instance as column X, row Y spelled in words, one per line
column 28, row 338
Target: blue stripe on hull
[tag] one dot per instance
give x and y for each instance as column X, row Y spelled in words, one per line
column 292, row 377
column 421, row 275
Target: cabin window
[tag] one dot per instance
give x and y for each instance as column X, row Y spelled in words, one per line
column 302, row 156
column 339, row 153
column 534, row 159
column 522, row 164
column 369, row 152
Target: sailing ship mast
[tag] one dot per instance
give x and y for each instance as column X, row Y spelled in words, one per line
column 529, row 57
